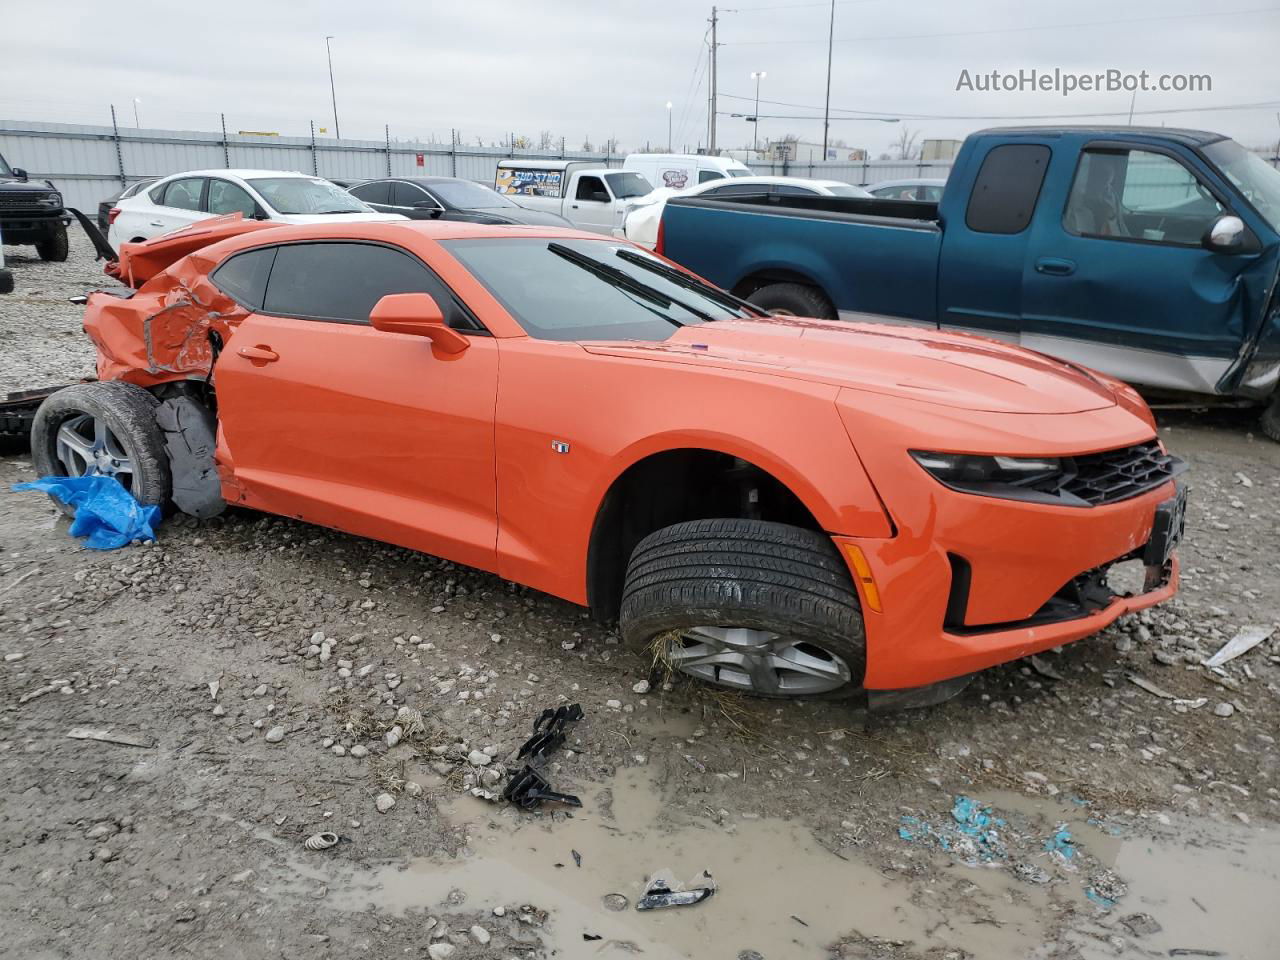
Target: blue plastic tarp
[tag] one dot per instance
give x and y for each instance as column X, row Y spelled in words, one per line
column 107, row 516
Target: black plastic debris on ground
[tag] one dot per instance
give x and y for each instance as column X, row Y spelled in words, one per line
column 527, row 787
column 663, row 892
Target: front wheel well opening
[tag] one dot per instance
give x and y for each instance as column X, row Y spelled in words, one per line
column 672, row 487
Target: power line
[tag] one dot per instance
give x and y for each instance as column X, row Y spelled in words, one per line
column 876, row 114
column 999, row 30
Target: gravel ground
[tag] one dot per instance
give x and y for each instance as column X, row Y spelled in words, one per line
column 257, row 663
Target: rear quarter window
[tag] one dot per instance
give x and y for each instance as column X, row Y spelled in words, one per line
column 243, row 277
column 1007, row 188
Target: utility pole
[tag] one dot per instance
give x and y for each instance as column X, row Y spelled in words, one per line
column 826, row 110
column 337, row 131
column 669, row 148
column 1132, row 101
column 757, row 76
column 711, row 106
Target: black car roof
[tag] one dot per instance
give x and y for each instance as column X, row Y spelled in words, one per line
column 1190, row 138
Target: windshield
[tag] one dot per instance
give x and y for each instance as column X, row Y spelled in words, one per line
column 628, row 185
column 468, row 195
column 4, row 169
column 571, row 289
column 1252, row 176
column 303, row 195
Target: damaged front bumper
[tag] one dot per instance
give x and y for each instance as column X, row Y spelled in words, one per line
column 941, row 616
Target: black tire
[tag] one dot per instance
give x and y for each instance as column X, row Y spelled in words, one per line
column 130, row 414
column 795, row 300
column 54, row 249
column 1270, row 420
column 762, row 576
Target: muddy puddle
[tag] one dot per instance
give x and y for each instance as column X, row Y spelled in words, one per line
column 783, row 895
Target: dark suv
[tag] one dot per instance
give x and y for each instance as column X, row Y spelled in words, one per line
column 32, row 213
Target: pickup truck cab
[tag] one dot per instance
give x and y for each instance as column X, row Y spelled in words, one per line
column 588, row 196
column 1150, row 254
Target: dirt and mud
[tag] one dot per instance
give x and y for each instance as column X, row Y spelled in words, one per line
column 253, row 665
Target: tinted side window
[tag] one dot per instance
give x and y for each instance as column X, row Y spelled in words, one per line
column 243, row 277
column 227, row 197
column 791, row 190
column 591, row 188
column 406, row 195
column 343, row 281
column 379, row 192
column 705, row 175
column 184, row 194
column 1008, row 185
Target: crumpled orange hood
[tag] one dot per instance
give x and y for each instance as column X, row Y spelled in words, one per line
column 955, row 370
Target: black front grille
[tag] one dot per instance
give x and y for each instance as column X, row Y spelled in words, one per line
column 1114, row 475
column 22, row 201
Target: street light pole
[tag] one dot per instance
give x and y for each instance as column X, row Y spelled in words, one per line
column 826, row 111
column 337, row 131
column 668, row 126
column 136, row 101
column 757, row 76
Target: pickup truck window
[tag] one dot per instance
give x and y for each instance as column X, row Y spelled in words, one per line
column 1258, row 180
column 1007, row 188
column 603, row 296
column 592, row 190
column 1138, row 195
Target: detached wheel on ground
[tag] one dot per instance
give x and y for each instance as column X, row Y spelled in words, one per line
column 103, row 428
column 794, row 300
column 1270, row 421
column 763, row 608
column 55, row 248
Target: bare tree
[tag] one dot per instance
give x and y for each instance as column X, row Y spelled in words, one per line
column 586, row 145
column 545, row 140
column 905, row 147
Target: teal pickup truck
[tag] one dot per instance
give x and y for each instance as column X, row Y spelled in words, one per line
column 1150, row 254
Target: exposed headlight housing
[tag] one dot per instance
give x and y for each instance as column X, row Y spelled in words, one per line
column 51, row 199
column 1032, row 479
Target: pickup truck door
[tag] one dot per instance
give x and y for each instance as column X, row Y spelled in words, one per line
column 1117, row 278
column 984, row 246
column 590, row 204
column 331, row 421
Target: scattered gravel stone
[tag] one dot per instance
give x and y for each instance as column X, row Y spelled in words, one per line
column 641, row 687
column 1223, row 709
column 359, row 750
column 384, row 802
column 478, row 758
column 275, row 734
column 480, row 934
column 439, row 951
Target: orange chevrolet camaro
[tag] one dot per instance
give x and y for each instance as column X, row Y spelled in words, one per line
column 783, row 506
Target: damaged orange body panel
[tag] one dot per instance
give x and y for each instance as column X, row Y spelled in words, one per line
column 504, row 454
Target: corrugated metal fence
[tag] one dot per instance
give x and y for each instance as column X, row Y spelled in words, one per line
column 90, row 163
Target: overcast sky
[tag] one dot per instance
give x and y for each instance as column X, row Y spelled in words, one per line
column 600, row 68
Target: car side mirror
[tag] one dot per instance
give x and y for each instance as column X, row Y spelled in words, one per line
column 19, row 173
column 431, row 208
column 1227, row 234
column 417, row 314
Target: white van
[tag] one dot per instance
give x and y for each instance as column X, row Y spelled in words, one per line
column 589, row 196
column 679, row 171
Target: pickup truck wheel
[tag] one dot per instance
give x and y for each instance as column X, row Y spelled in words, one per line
column 762, row 608
column 102, row 428
column 54, row 249
column 1270, row 421
column 794, row 300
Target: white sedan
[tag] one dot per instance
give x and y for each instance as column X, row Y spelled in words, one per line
column 183, row 198
column 640, row 223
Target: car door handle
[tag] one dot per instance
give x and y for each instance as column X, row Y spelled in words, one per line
column 574, row 205
column 260, row 354
column 157, row 223
column 1055, row 266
